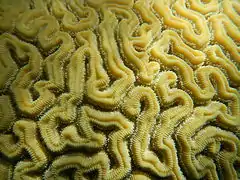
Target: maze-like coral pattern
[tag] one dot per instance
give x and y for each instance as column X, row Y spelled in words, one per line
column 119, row 89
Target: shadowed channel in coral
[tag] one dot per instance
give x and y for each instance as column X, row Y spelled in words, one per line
column 119, row 89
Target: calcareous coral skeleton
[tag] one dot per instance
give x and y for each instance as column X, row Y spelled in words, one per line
column 119, row 89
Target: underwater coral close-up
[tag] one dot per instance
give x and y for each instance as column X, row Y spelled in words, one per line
column 119, row 89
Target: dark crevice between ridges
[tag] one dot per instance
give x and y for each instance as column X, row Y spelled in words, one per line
column 68, row 151
column 206, row 153
column 88, row 102
column 178, row 153
column 31, row 5
column 34, row 93
column 106, row 147
column 236, row 165
column 87, row 73
column 120, row 45
column 101, row 51
column 11, row 160
column 219, row 170
column 10, row 164
column 91, row 175
column 19, row 114
column 20, row 63
column 224, row 71
column 103, row 56
column 25, row 156
column 65, row 69
column 123, row 57
column 68, row 173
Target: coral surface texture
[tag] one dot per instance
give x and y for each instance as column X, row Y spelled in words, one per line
column 119, row 89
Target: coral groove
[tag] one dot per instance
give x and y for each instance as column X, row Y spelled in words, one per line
column 119, row 89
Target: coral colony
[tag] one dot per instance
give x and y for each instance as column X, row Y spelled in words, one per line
column 119, row 89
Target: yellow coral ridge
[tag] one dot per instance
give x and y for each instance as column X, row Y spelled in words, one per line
column 199, row 37
column 26, row 131
column 91, row 139
column 204, row 89
column 26, row 76
column 9, row 15
column 66, row 109
column 139, row 175
column 8, row 67
column 7, row 114
column 69, row 20
column 99, row 89
column 193, row 141
column 139, row 61
column 119, row 89
column 117, row 140
column 226, row 36
column 81, row 163
column 30, row 26
column 205, row 7
column 232, row 9
column 6, row 169
column 170, row 119
column 100, row 3
column 147, row 114
column 216, row 57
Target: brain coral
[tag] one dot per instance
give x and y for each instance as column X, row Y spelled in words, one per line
column 119, row 89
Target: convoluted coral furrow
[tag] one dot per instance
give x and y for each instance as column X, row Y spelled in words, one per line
column 81, row 163
column 225, row 33
column 27, row 75
column 119, row 89
column 232, row 9
column 6, row 169
column 144, row 34
column 205, row 8
column 9, row 15
column 69, row 19
column 98, row 87
column 169, row 120
column 203, row 88
column 123, row 75
column 30, row 26
column 117, row 139
column 65, row 111
column 198, row 165
column 216, row 57
column 199, row 38
column 91, row 139
column 26, row 130
column 146, row 119
column 7, row 114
